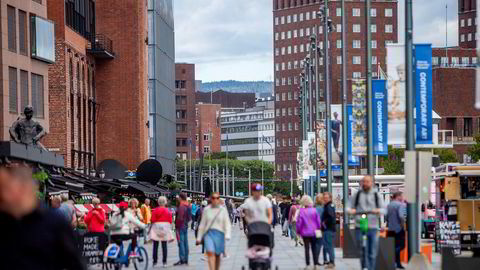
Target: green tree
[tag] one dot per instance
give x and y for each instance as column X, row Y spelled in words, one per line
column 474, row 150
column 392, row 164
column 446, row 155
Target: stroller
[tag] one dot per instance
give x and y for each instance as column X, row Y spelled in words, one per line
column 260, row 246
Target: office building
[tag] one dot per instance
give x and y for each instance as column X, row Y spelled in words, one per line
column 250, row 134
column 161, row 83
column 185, row 110
column 294, row 22
column 467, row 23
column 207, row 136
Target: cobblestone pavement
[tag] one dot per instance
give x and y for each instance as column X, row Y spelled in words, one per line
column 285, row 255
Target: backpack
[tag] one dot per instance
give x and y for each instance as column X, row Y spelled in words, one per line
column 357, row 198
column 115, row 222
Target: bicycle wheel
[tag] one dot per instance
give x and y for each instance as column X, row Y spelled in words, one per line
column 141, row 262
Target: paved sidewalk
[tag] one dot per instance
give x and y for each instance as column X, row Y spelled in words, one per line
column 285, row 254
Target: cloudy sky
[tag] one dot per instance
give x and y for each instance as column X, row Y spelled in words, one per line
column 232, row 39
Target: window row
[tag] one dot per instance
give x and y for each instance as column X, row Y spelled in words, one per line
column 256, row 140
column 180, row 84
column 25, row 90
column 356, row 12
column 239, row 118
column 286, row 167
column 288, row 126
column 287, row 142
column 356, row 28
column 246, row 128
column 468, row 22
column 454, row 61
column 469, row 37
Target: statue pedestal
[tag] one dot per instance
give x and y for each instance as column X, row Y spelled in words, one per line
column 30, row 153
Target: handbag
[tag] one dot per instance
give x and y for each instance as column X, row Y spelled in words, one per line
column 211, row 224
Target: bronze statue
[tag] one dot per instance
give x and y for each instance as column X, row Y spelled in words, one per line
column 27, row 131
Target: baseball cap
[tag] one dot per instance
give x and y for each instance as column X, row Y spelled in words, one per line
column 256, row 187
column 123, row 205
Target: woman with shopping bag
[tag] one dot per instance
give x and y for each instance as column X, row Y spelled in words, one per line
column 161, row 229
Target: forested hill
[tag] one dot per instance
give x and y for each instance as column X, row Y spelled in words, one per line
column 261, row 88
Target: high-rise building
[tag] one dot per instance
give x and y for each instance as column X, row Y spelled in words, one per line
column 161, row 78
column 293, row 24
column 467, row 23
column 24, row 63
column 185, row 110
column 74, row 106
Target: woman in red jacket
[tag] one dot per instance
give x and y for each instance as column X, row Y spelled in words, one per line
column 95, row 219
column 161, row 230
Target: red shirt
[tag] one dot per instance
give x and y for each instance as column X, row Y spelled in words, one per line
column 161, row 214
column 95, row 220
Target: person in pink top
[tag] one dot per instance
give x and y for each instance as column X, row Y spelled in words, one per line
column 161, row 230
column 95, row 219
column 308, row 227
column 292, row 220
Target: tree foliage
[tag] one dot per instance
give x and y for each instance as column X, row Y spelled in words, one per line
column 474, row 150
column 392, row 164
column 446, row 155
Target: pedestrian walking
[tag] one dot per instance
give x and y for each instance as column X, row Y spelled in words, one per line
column 195, row 208
column 274, row 210
column 199, row 218
column 308, row 226
column 161, row 230
column 182, row 216
column 329, row 228
column 34, row 236
column 125, row 223
column 95, row 218
column 368, row 201
column 214, row 229
column 146, row 212
column 67, row 209
column 396, row 220
column 319, row 207
column 292, row 220
column 258, row 207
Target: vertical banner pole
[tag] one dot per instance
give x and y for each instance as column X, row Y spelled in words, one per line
column 345, row 119
column 369, row 87
column 328, row 99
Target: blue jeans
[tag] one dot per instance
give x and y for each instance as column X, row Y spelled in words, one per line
column 328, row 246
column 183, row 244
column 319, row 244
column 368, row 254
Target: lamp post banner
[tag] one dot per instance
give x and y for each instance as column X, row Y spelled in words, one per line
column 380, row 131
column 396, row 94
column 359, row 114
column 352, row 160
column 321, row 144
column 308, row 149
column 337, row 133
column 423, row 89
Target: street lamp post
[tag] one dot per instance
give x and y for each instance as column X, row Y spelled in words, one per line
column 291, row 181
column 249, row 179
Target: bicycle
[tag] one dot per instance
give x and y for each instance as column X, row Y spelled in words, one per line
column 115, row 258
column 363, row 226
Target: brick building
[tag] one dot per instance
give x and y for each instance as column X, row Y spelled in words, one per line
column 454, row 84
column 72, row 98
column 185, row 108
column 226, row 99
column 293, row 24
column 98, row 95
column 207, row 137
column 24, row 67
column 467, row 23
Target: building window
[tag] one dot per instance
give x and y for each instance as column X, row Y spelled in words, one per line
column 277, row 82
column 296, row 141
column 339, row 43
column 444, row 61
column 289, row 50
column 455, row 61
column 277, row 97
column 12, row 29
column 284, row 143
column 284, row 112
column 276, row 20
column 307, row 16
column 307, row 32
column 357, row 75
column 283, row 97
column 37, row 95
column 462, row 23
column 277, row 67
column 22, row 32
column 474, row 60
column 374, row 44
column 282, row 20
column 462, row 38
column 295, row 110
column 23, row 89
column 276, row 36
column 289, row 18
column 339, row 12
column 388, row 12
column 277, row 51
column 206, row 149
column 469, row 36
column 206, row 137
column 373, row 28
column 289, row 94
column 435, row 61
column 356, row 12
column 374, row 60
column 388, row 42
column 357, row 60
column 12, row 89
column 356, row 28
column 373, row 12
column 301, row 17
column 339, row 28
column 339, row 60
column 295, row 49
column 356, row 44
column 295, row 33
column 465, row 60
column 388, row 28
column 469, row 22
column 289, row 127
column 283, row 35
column 467, row 127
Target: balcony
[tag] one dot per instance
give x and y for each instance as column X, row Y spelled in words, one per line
column 101, row 47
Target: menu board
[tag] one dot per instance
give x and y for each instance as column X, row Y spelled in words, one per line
column 92, row 247
column 448, row 235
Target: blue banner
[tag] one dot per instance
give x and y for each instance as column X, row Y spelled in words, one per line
column 352, row 160
column 423, row 93
column 380, row 119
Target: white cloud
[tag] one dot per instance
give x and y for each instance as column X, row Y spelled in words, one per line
column 233, row 39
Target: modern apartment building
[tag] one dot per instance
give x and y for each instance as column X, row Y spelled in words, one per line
column 161, row 79
column 467, row 23
column 28, row 47
column 185, row 110
column 293, row 24
column 250, row 134
column 73, row 96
